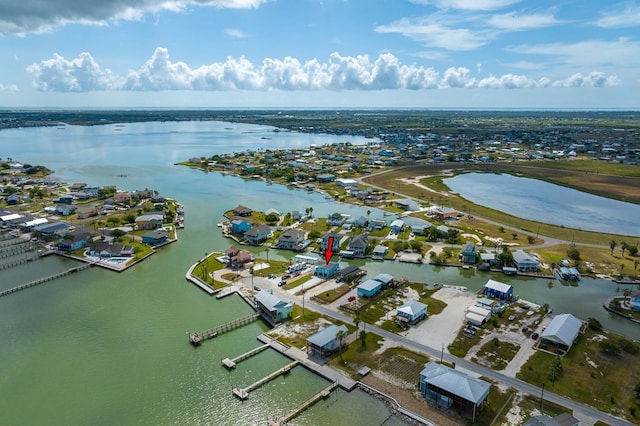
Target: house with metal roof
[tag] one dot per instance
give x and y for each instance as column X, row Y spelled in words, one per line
column 498, row 290
column 369, row 288
column 525, row 262
column 411, row 312
column 155, row 238
column 326, row 340
column 327, row 270
column 272, row 308
column 468, row 253
column 561, row 333
column 451, row 388
column 385, row 279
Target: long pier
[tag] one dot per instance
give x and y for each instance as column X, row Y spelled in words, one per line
column 44, row 280
column 197, row 338
column 323, row 394
column 243, row 393
column 231, row 363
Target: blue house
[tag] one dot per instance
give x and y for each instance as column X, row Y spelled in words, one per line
column 326, row 340
column 451, row 388
column 325, row 177
column 73, row 241
column 336, row 242
column 327, row 271
column 411, row 312
column 257, row 234
column 239, row 226
column 397, row 226
column 498, row 290
column 385, row 279
column 468, row 253
column 369, row 288
column 634, row 302
column 154, row 238
column 272, row 308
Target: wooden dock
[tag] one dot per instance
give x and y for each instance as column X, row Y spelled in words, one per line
column 231, row 363
column 197, row 338
column 44, row 280
column 243, row 393
column 323, row 394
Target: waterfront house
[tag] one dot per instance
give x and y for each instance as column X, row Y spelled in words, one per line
column 411, row 312
column 449, row 388
column 348, row 273
column 561, row 333
column 445, row 213
column 240, row 226
column 358, row 245
column 369, row 288
column 257, row 234
column 336, row 219
column 347, row 183
column 359, row 222
column 272, row 211
column 272, row 308
column 377, row 224
column 77, row 187
column 525, row 262
column 385, row 279
column 634, row 301
column 236, row 258
column 336, row 242
column 490, row 260
column 468, row 253
column 73, row 241
column 406, row 204
column 327, row 270
column 326, row 340
column 105, row 250
column 498, row 290
column 379, row 252
column 149, row 221
column 122, row 198
column 291, row 240
column 242, row 211
column 397, row 226
column 64, row 199
column 155, row 238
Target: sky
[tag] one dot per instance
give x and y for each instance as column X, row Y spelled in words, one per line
column 502, row 54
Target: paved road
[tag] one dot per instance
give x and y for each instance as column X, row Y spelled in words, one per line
column 580, row 410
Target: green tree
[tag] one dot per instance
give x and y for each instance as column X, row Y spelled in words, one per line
column 555, row 369
column 531, row 239
column 117, row 234
column 612, row 245
column 340, row 335
column 573, row 254
column 624, row 246
column 594, row 324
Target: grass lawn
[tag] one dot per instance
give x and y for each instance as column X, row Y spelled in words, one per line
column 462, row 343
column 298, row 282
column 496, row 407
column 331, row 295
column 357, row 354
column 497, row 354
column 601, row 370
column 601, row 260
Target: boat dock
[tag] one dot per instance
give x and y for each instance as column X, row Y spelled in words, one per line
column 243, row 393
column 44, row 280
column 197, row 338
column 227, row 291
column 323, row 394
column 231, row 363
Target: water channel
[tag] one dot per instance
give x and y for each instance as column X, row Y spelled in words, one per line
column 100, row 347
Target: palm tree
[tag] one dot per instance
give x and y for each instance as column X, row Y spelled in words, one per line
column 340, row 336
column 624, row 246
column 626, row 293
column 311, row 211
column 612, row 244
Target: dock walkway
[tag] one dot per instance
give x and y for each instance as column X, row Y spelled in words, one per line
column 243, row 393
column 324, row 393
column 44, row 280
column 197, row 338
column 231, row 363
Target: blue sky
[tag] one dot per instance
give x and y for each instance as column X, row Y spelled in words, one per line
column 330, row 53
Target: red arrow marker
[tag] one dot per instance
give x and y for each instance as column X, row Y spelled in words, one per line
column 328, row 253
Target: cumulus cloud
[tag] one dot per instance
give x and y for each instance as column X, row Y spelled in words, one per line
column 468, row 4
column 386, row 72
column 8, row 89
column 19, row 17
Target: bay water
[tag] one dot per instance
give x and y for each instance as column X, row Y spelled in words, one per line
column 100, row 347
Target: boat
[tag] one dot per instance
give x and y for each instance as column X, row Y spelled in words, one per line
column 219, row 225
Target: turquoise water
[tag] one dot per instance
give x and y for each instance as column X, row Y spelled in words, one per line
column 100, row 347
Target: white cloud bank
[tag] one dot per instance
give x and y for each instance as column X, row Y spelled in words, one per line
column 8, row 89
column 84, row 74
column 20, row 17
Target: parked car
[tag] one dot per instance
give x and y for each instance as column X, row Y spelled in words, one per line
column 535, row 336
column 525, row 329
column 352, row 298
column 512, row 317
column 281, row 283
